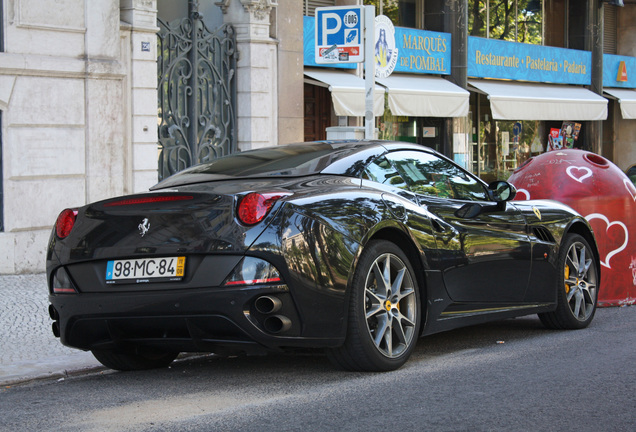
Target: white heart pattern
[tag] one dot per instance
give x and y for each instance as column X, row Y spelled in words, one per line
column 588, row 173
column 630, row 188
column 610, row 224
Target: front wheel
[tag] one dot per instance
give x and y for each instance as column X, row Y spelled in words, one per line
column 129, row 361
column 384, row 311
column 577, row 286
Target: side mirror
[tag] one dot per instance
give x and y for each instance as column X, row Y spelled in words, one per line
column 502, row 191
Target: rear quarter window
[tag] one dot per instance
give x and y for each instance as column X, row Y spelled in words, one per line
column 383, row 172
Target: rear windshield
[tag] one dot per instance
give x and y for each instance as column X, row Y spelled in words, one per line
column 293, row 160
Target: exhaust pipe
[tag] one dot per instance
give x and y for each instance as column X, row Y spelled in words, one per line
column 268, row 304
column 56, row 329
column 53, row 313
column 277, row 324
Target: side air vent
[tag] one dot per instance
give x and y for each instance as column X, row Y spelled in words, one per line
column 543, row 234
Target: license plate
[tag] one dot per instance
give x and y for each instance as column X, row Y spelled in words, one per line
column 145, row 270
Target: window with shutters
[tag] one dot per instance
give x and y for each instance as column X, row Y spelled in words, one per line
column 309, row 6
column 609, row 29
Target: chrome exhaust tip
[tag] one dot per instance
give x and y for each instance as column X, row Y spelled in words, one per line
column 53, row 313
column 268, row 304
column 56, row 329
column 277, row 324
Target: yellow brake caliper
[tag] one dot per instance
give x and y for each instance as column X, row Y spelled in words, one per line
column 567, row 277
column 388, row 305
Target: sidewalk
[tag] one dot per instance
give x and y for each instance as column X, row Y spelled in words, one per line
column 28, row 349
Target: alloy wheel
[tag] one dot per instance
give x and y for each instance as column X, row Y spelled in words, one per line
column 390, row 305
column 580, row 281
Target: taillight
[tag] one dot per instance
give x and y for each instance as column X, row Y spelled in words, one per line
column 62, row 283
column 253, row 271
column 255, row 206
column 65, row 222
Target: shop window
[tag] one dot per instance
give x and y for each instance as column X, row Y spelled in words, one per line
column 506, row 145
column 397, row 128
column 510, row 20
column 426, row 131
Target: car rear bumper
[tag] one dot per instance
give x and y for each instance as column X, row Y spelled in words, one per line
column 219, row 320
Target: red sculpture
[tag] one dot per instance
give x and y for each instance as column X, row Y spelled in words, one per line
column 604, row 195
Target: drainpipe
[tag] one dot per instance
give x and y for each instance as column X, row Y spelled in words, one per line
column 456, row 23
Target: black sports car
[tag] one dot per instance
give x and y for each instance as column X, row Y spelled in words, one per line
column 354, row 247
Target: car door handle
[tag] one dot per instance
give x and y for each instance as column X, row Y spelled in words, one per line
column 443, row 227
column 437, row 226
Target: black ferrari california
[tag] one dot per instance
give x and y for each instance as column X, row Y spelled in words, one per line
column 357, row 248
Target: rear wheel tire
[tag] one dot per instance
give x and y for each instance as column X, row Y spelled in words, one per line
column 129, row 361
column 577, row 286
column 384, row 312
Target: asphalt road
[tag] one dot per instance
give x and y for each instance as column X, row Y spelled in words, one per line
column 507, row 376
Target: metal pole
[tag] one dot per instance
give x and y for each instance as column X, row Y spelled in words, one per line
column 369, row 71
column 456, row 23
column 594, row 43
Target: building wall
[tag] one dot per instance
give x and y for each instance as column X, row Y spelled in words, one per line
column 288, row 25
column 69, row 82
column 78, row 94
column 139, row 54
column 625, row 141
column 79, row 103
column 257, row 71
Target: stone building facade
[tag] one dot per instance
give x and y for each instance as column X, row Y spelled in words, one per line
column 78, row 104
column 78, row 101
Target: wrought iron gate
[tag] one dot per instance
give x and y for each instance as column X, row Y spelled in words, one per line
column 197, row 92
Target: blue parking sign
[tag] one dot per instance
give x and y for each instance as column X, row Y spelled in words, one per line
column 340, row 34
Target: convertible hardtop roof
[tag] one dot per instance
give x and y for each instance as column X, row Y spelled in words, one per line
column 342, row 157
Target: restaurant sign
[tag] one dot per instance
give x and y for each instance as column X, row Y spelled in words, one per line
column 493, row 58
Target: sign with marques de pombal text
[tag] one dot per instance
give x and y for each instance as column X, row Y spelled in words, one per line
column 422, row 51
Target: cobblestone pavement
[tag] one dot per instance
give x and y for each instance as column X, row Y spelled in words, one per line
column 28, row 348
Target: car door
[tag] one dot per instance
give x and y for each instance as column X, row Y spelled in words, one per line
column 484, row 258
